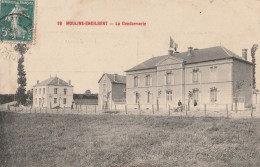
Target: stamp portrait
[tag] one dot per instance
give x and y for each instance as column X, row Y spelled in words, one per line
column 17, row 20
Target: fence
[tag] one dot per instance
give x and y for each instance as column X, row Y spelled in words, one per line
column 82, row 109
column 208, row 110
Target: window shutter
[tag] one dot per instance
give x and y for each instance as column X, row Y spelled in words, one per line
column 151, row 81
column 139, row 81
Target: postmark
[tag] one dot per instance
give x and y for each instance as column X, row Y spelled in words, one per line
column 17, row 18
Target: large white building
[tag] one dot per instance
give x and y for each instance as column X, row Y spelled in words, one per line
column 52, row 92
column 210, row 75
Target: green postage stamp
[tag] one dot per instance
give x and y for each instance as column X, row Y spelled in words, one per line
column 17, row 20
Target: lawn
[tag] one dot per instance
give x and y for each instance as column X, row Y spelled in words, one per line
column 127, row 140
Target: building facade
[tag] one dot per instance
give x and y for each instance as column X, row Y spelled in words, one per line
column 52, row 92
column 208, row 76
column 112, row 90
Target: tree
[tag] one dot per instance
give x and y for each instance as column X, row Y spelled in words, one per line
column 88, row 92
column 237, row 90
column 30, row 96
column 20, row 92
column 253, row 50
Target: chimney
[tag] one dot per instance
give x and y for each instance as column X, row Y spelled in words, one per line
column 115, row 77
column 244, row 54
column 190, row 51
column 170, row 52
column 69, row 82
column 38, row 81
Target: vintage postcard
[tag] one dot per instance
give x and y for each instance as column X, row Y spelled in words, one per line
column 129, row 83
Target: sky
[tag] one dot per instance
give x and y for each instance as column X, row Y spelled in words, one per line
column 83, row 53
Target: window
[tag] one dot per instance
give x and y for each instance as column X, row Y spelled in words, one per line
column 148, row 96
column 43, row 90
column 55, row 90
column 55, row 100
column 65, row 91
column 136, row 98
column 147, row 80
column 104, row 87
column 40, row 90
column 195, row 75
column 35, row 91
column 213, row 95
column 135, row 81
column 35, row 100
column 168, row 78
column 169, row 95
column 40, row 101
column 64, row 101
column 196, row 94
column 124, row 90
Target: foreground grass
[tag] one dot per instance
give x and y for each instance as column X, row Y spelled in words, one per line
column 118, row 140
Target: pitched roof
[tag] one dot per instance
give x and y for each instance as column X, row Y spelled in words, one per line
column 120, row 79
column 55, row 81
column 200, row 55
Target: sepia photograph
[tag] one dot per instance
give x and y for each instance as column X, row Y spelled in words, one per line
column 129, row 83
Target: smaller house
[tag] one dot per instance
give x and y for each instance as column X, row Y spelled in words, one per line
column 53, row 92
column 112, row 90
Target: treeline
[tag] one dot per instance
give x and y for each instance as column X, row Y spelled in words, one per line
column 6, row 98
column 85, row 96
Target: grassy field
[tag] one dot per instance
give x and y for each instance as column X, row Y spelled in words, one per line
column 127, row 140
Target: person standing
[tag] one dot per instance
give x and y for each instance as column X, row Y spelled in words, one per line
column 179, row 106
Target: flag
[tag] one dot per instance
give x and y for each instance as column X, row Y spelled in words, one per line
column 171, row 42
